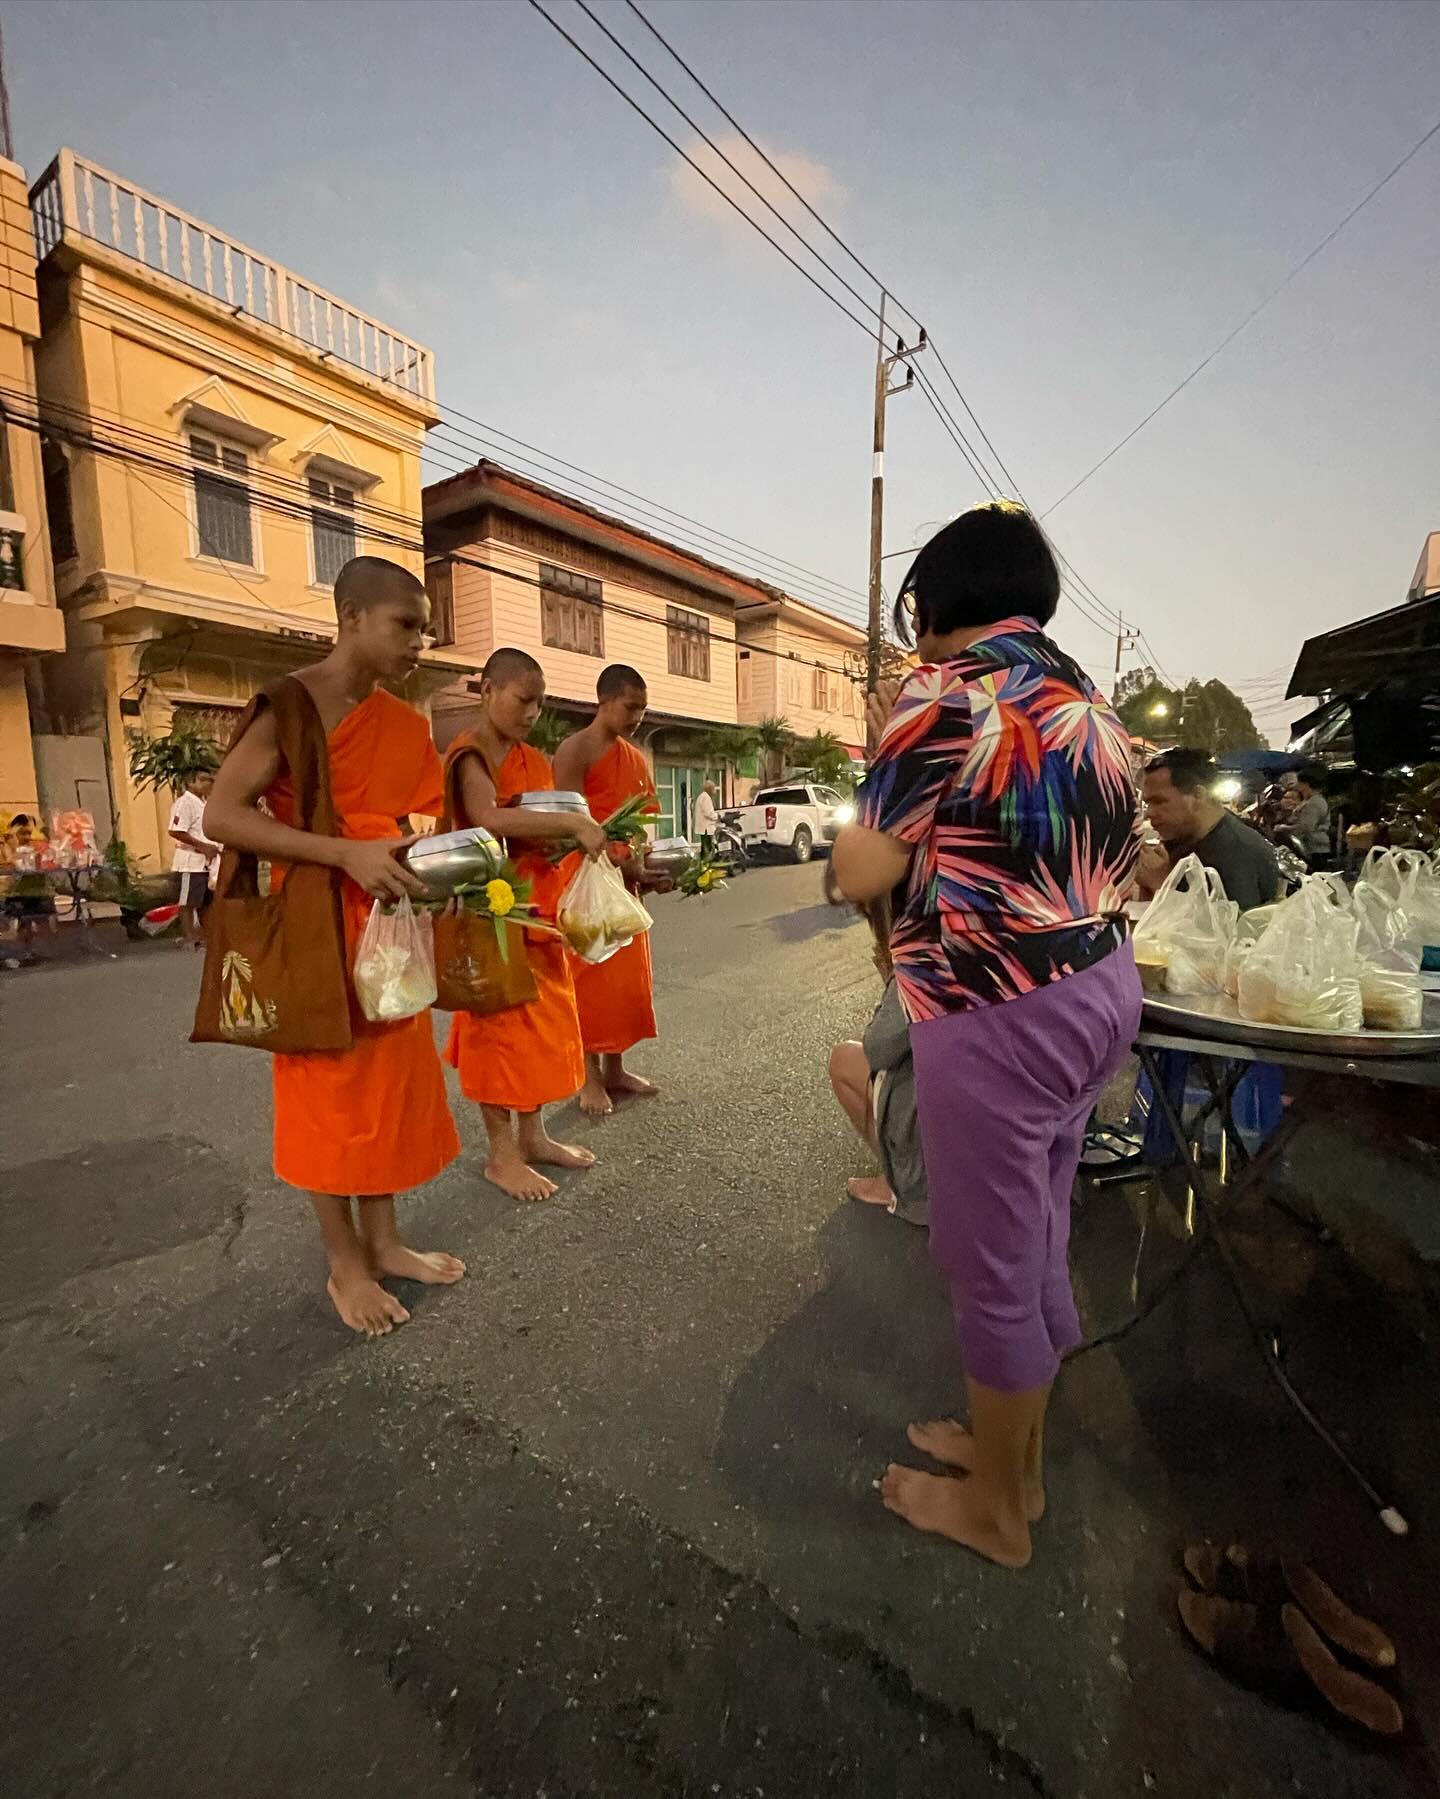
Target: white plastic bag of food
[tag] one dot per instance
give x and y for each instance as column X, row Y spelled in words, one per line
column 395, row 963
column 597, row 913
column 1304, row 970
column 1390, row 991
column 1182, row 941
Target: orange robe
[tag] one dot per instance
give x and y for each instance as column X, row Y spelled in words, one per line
column 373, row 1118
column 529, row 1056
column 616, row 997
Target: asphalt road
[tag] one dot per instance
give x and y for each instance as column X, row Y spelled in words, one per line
column 600, row 1521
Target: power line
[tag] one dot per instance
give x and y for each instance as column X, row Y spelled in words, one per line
column 1249, row 318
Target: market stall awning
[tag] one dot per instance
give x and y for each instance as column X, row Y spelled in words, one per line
column 1358, row 656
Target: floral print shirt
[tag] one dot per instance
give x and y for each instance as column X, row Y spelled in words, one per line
column 1008, row 774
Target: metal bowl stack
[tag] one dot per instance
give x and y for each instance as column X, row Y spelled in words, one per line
column 552, row 800
column 451, row 858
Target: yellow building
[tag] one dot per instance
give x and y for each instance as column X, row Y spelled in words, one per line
column 224, row 435
column 798, row 663
column 30, row 626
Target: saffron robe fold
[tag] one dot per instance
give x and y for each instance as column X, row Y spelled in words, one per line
column 616, row 997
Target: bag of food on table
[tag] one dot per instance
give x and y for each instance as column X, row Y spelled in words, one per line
column 1249, row 928
column 1182, row 941
column 1390, row 991
column 395, row 963
column 596, row 912
column 1410, row 881
column 1304, row 971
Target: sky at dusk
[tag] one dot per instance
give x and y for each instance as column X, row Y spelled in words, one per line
column 1079, row 200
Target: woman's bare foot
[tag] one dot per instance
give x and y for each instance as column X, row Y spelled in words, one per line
column 550, row 1154
column 513, row 1175
column 957, row 1509
column 432, row 1267
column 595, row 1102
column 950, row 1443
column 629, row 1086
column 871, row 1190
column 364, row 1304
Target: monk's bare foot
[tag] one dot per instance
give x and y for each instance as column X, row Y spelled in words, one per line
column 952, row 1444
column 550, row 1154
column 594, row 1100
column 364, row 1304
column 432, row 1267
column 629, row 1086
column 871, row 1190
column 513, row 1175
column 957, row 1509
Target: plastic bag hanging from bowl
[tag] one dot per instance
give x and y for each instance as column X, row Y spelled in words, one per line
column 395, row 963
column 597, row 913
column 1182, row 942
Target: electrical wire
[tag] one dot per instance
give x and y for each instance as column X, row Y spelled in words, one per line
column 1248, row 320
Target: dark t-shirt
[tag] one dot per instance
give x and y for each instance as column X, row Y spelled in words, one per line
column 1243, row 860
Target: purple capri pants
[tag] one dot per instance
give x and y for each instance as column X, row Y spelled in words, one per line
column 1004, row 1093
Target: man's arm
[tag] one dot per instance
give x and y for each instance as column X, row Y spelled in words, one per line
column 481, row 807
column 233, row 814
column 573, row 761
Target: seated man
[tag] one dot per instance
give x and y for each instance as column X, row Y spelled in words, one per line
column 1180, row 803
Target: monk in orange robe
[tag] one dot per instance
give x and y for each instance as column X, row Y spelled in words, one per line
column 616, row 997
column 354, row 1127
column 512, row 1063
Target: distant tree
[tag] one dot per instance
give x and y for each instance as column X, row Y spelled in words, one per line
column 1134, row 681
column 773, row 738
column 169, row 761
column 825, row 758
column 549, row 731
column 1202, row 715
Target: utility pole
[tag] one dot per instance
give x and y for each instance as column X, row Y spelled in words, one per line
column 1124, row 640
column 884, row 364
column 7, row 142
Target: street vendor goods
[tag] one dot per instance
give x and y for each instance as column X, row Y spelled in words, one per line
column 1305, row 968
column 597, row 914
column 1182, row 942
column 394, row 969
column 1390, row 990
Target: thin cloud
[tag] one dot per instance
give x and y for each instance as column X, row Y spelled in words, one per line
column 816, row 182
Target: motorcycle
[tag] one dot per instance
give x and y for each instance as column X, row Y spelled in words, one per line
column 729, row 850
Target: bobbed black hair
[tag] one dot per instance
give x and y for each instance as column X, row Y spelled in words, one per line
column 992, row 562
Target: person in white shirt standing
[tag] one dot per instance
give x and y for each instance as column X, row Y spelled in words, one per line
column 196, row 858
column 705, row 816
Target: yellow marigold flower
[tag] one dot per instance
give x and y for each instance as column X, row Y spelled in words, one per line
column 500, row 897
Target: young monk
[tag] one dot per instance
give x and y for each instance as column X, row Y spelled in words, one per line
column 365, row 1123
column 513, row 1063
column 615, row 997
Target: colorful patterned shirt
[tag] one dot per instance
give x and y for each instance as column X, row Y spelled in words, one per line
column 1008, row 775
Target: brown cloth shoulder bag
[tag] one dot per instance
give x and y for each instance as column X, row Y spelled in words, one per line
column 275, row 964
column 470, row 973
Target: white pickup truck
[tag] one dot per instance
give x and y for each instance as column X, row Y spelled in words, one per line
column 791, row 820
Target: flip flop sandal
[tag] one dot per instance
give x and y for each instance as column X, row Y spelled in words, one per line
column 1275, row 1650
column 1241, row 1573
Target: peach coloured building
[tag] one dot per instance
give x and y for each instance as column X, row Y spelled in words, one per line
column 225, row 435
column 800, row 664
column 31, row 629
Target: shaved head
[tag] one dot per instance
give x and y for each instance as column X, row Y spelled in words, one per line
column 508, row 666
column 366, row 580
column 617, row 679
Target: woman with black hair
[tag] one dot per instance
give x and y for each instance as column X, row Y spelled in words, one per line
column 1001, row 800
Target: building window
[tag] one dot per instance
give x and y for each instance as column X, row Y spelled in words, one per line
column 440, row 586
column 825, row 695
column 222, row 501
column 332, row 527
column 571, row 613
column 687, row 643
column 55, row 467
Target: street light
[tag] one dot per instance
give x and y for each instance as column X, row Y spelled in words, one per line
column 1161, row 709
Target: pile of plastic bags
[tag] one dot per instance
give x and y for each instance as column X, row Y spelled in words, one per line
column 395, row 963
column 1183, row 941
column 597, row 913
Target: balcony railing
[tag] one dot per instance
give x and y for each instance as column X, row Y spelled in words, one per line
column 75, row 196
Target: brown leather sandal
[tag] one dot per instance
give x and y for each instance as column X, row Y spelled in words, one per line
column 1277, row 1651
column 1252, row 1577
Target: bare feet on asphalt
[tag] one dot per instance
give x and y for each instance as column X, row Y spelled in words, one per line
column 432, row 1267
column 957, row 1509
column 364, row 1304
column 871, row 1190
column 950, row 1443
column 513, row 1175
column 630, row 1086
column 595, row 1102
column 550, row 1154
